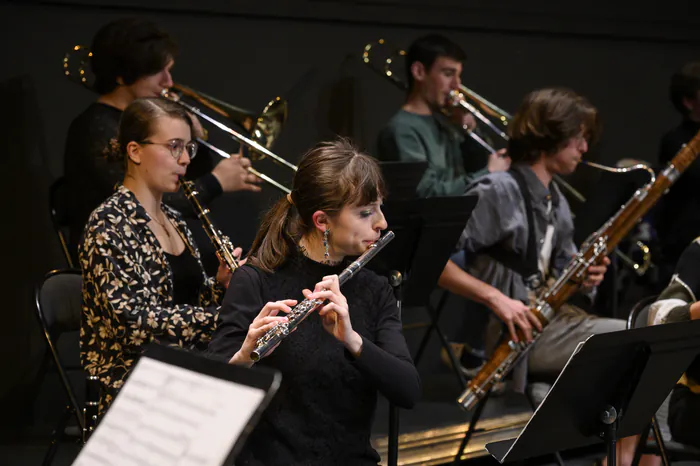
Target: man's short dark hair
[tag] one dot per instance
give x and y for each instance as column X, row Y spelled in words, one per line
column 427, row 49
column 130, row 48
column 685, row 83
column 546, row 120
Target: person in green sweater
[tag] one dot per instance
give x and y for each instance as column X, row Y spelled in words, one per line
column 419, row 131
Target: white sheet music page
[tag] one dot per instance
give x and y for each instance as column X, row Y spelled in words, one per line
column 168, row 415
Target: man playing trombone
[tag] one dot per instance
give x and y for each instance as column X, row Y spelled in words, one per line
column 131, row 58
column 419, row 131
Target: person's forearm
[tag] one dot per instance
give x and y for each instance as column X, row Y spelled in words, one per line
column 396, row 378
column 457, row 281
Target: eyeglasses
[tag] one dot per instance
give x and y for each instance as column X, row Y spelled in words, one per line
column 176, row 147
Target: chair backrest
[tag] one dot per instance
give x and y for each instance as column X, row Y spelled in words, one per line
column 58, row 307
column 58, row 301
column 60, row 210
column 639, row 315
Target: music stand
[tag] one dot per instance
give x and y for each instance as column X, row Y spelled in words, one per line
column 402, row 178
column 177, row 406
column 427, row 231
column 627, row 376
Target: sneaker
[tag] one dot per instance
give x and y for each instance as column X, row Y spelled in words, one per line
column 470, row 360
column 457, row 350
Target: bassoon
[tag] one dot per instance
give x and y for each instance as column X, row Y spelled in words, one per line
column 598, row 245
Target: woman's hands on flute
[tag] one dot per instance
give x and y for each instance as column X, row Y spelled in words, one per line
column 335, row 315
column 265, row 320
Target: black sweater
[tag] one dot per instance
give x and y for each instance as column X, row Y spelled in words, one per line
column 323, row 411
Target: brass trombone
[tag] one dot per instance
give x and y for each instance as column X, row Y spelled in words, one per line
column 458, row 98
column 264, row 129
column 492, row 116
column 267, row 127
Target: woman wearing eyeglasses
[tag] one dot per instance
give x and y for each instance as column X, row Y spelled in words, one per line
column 143, row 280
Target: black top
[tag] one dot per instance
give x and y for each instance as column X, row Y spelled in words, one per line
column 322, row 413
column 677, row 220
column 187, row 277
column 92, row 170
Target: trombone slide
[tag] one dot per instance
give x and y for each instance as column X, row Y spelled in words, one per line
column 252, row 170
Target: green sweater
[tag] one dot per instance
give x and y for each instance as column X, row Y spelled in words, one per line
column 409, row 137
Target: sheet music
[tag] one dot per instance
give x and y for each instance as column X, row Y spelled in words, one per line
column 168, row 415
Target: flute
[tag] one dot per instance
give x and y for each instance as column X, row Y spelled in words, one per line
column 299, row 312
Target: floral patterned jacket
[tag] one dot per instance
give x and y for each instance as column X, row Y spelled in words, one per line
column 128, row 293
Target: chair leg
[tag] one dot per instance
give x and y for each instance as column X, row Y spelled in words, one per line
column 639, row 449
column 56, row 436
column 659, row 441
column 559, row 459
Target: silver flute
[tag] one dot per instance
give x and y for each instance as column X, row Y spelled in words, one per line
column 299, row 312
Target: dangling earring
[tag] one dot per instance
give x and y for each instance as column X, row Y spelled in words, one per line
column 326, row 255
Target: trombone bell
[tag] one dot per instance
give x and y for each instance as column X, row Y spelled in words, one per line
column 269, row 124
column 267, row 128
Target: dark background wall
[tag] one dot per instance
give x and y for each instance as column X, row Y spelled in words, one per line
column 619, row 54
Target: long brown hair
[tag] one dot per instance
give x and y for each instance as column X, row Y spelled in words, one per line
column 546, row 120
column 330, row 176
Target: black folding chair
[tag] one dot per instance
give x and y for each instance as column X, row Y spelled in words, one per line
column 59, row 208
column 58, row 307
column 668, row 450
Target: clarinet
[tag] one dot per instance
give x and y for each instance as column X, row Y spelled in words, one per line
column 597, row 246
column 299, row 312
column 223, row 246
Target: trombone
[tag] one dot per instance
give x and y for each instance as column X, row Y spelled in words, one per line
column 264, row 129
column 459, row 98
column 267, row 128
column 497, row 120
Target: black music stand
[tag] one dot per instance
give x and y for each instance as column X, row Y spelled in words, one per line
column 427, row 231
column 402, row 178
column 626, row 375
